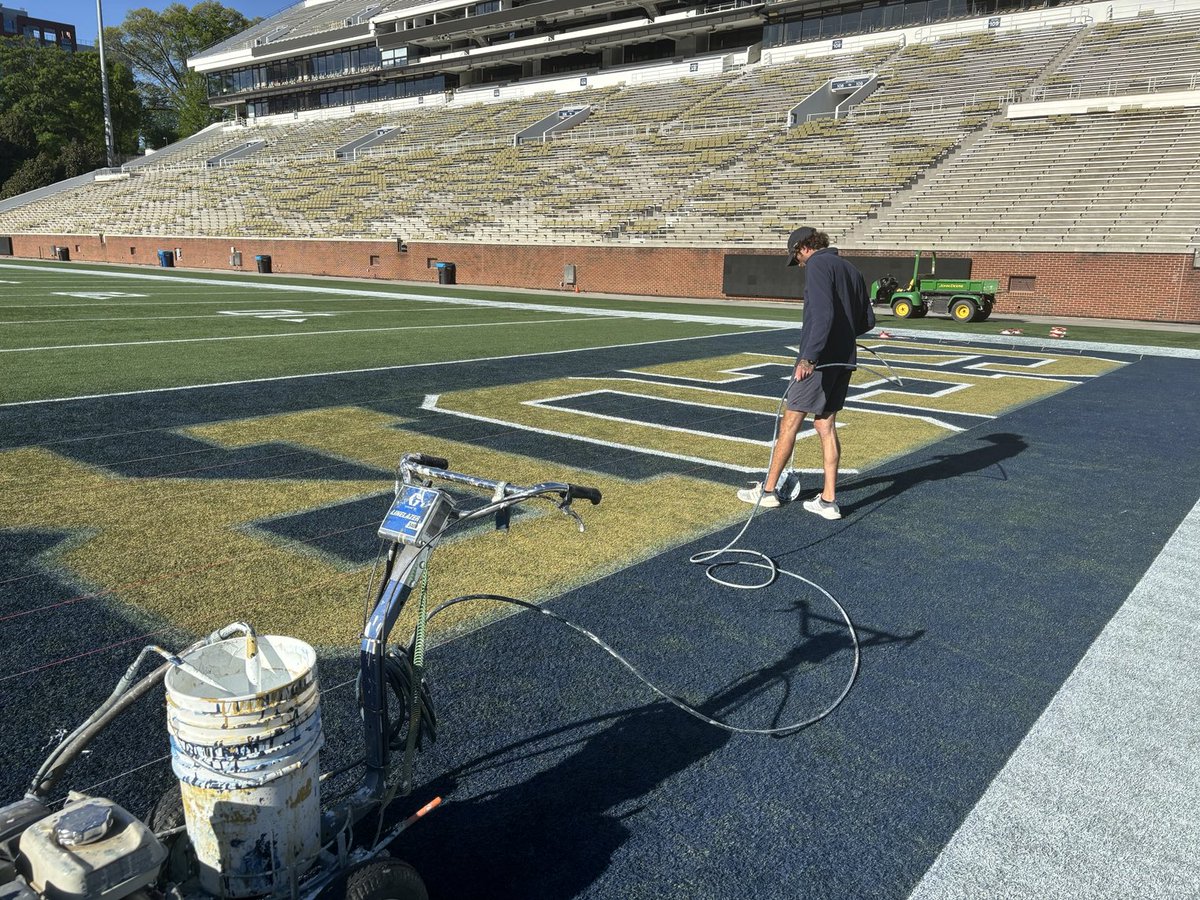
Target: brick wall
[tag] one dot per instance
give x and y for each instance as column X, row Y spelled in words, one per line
column 1155, row 287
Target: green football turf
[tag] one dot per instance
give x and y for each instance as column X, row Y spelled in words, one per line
column 176, row 328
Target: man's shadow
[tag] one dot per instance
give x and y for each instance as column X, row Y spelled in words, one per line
column 999, row 448
column 555, row 833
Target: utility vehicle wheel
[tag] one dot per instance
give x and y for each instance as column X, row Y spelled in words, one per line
column 919, row 312
column 385, row 879
column 902, row 309
column 964, row 311
column 167, row 815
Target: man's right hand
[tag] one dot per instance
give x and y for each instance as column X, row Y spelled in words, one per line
column 804, row 368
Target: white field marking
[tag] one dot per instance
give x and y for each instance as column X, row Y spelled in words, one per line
column 430, row 403
column 984, row 366
column 545, row 402
column 284, row 315
column 445, row 362
column 686, row 387
column 915, row 374
column 6, row 281
column 727, row 393
column 225, row 302
column 72, row 321
column 736, row 373
column 1024, row 364
column 95, row 295
column 850, row 401
column 917, row 360
column 267, row 313
column 949, row 389
column 653, row 396
column 452, row 301
column 102, row 319
column 285, row 334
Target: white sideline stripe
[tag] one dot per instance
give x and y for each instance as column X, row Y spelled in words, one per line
column 286, row 334
column 453, row 301
column 444, row 362
column 431, row 401
column 1099, row 799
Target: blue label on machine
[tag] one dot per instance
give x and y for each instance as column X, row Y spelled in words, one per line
column 410, row 513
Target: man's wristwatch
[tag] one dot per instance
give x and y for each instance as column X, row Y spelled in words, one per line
column 806, row 362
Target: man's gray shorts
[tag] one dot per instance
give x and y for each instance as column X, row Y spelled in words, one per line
column 821, row 393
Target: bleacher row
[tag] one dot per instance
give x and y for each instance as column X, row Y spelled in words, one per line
column 930, row 157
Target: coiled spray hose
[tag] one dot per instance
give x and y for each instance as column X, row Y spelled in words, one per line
column 706, row 557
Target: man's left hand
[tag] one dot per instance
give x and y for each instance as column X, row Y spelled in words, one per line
column 804, row 368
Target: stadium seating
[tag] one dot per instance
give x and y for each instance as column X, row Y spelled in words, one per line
column 710, row 160
column 1129, row 179
column 1145, row 54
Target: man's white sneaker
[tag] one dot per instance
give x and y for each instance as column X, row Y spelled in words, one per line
column 756, row 494
column 823, row 508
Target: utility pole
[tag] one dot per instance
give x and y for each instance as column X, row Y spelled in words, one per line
column 108, row 125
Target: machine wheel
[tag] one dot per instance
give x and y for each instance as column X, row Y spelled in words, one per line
column 385, row 879
column 166, row 815
column 919, row 312
column 964, row 311
column 902, row 309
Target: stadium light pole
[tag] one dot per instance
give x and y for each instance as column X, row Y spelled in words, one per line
column 108, row 125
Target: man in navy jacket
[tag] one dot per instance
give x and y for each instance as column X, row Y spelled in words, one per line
column 837, row 308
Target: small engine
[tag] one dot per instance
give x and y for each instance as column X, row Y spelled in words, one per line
column 91, row 849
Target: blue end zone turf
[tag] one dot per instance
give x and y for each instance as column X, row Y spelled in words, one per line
column 978, row 571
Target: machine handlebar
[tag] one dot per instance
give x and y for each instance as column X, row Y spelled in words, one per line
column 432, row 462
column 583, row 492
column 433, row 467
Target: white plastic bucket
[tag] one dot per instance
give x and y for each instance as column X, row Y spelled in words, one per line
column 244, row 740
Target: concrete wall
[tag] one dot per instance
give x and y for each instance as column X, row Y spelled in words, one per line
column 1162, row 287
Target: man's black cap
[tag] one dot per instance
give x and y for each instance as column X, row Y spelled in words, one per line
column 794, row 240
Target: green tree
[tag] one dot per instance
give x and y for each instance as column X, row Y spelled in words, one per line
column 157, row 45
column 52, row 114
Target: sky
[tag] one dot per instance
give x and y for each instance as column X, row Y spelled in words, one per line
column 82, row 13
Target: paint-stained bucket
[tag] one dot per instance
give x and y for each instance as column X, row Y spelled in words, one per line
column 244, row 739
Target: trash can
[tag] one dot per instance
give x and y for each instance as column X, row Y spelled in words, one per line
column 62, row 253
column 263, row 263
column 446, row 273
column 166, row 259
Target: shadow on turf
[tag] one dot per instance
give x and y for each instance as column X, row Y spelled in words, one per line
column 555, row 833
column 1000, row 447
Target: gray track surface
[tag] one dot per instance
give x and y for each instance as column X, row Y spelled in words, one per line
column 1099, row 800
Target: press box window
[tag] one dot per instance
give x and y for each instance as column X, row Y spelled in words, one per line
column 1022, row 283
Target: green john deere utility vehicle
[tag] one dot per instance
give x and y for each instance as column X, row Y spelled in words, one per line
column 965, row 300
